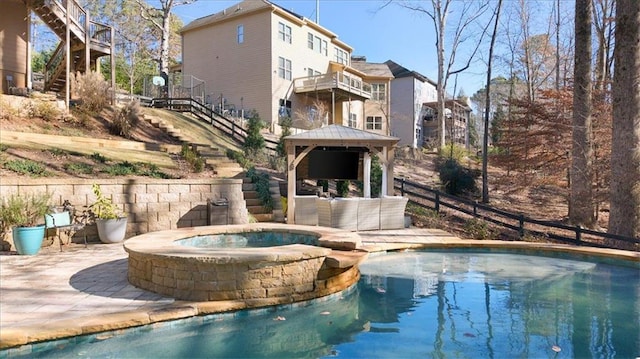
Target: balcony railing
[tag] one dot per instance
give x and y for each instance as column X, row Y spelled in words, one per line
column 333, row 81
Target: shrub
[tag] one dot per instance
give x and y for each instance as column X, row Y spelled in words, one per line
column 79, row 168
column 277, row 163
column 46, row 110
column 285, row 123
column 261, row 181
column 27, row 167
column 96, row 156
column 479, row 229
column 239, row 157
column 342, row 188
column 376, row 178
column 426, row 216
column 452, row 151
column 193, row 159
column 455, row 178
column 125, row 119
column 254, row 142
column 92, row 90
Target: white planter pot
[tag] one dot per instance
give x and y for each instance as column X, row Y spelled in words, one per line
column 112, row 230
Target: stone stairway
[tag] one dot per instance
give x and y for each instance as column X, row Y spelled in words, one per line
column 215, row 158
column 254, row 203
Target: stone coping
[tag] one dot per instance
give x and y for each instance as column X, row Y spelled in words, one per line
column 18, row 336
column 162, row 243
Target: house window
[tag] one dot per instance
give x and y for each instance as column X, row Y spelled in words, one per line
column 284, row 32
column 316, row 44
column 285, row 109
column 284, row 68
column 240, row 34
column 341, row 56
column 353, row 120
column 379, row 92
column 374, row 123
column 311, row 72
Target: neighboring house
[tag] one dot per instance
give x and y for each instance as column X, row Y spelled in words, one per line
column 258, row 55
column 377, row 110
column 457, row 115
column 88, row 41
column 411, row 90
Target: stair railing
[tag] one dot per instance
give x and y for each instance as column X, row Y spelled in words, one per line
column 51, row 68
column 100, row 33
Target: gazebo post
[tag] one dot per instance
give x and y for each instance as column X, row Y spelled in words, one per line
column 366, row 190
column 385, row 169
column 291, row 183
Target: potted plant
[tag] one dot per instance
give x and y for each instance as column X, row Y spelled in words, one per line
column 111, row 223
column 24, row 214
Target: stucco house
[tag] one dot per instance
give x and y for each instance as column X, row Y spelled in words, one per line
column 258, row 55
column 82, row 42
column 411, row 90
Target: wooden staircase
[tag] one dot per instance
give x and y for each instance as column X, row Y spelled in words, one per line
column 84, row 35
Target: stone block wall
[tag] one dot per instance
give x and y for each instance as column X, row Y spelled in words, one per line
column 150, row 204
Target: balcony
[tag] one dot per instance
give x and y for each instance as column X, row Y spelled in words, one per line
column 344, row 86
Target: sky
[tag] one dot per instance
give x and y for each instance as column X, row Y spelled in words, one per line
column 376, row 32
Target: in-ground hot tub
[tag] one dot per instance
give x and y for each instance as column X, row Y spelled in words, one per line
column 264, row 261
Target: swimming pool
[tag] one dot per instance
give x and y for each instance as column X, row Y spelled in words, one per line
column 248, row 240
column 459, row 303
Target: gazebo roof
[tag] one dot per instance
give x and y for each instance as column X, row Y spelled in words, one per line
column 338, row 135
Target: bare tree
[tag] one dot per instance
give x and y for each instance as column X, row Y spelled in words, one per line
column 581, row 205
column 470, row 12
column 160, row 17
column 604, row 27
column 485, row 137
column 624, row 217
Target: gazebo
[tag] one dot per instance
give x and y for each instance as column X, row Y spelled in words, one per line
column 339, row 151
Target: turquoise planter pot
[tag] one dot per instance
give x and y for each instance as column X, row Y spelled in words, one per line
column 28, row 240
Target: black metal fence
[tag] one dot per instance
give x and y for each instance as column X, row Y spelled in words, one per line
column 519, row 224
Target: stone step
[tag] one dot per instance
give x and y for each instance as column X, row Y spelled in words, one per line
column 250, row 194
column 248, row 187
column 263, row 217
column 253, row 202
column 259, row 209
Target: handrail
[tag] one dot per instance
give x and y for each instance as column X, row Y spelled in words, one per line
column 54, row 62
column 210, row 116
column 100, row 32
column 520, row 223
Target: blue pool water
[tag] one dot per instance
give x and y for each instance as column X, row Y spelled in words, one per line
column 414, row 304
column 248, row 239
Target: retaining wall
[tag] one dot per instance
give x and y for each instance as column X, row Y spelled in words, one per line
column 150, row 204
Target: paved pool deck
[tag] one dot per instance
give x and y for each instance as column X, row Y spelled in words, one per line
column 79, row 290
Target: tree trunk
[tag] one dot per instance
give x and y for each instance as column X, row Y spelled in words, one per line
column 442, row 79
column 487, row 108
column 624, row 217
column 164, row 49
column 581, row 205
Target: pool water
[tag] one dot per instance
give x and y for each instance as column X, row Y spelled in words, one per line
column 248, row 240
column 414, row 304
